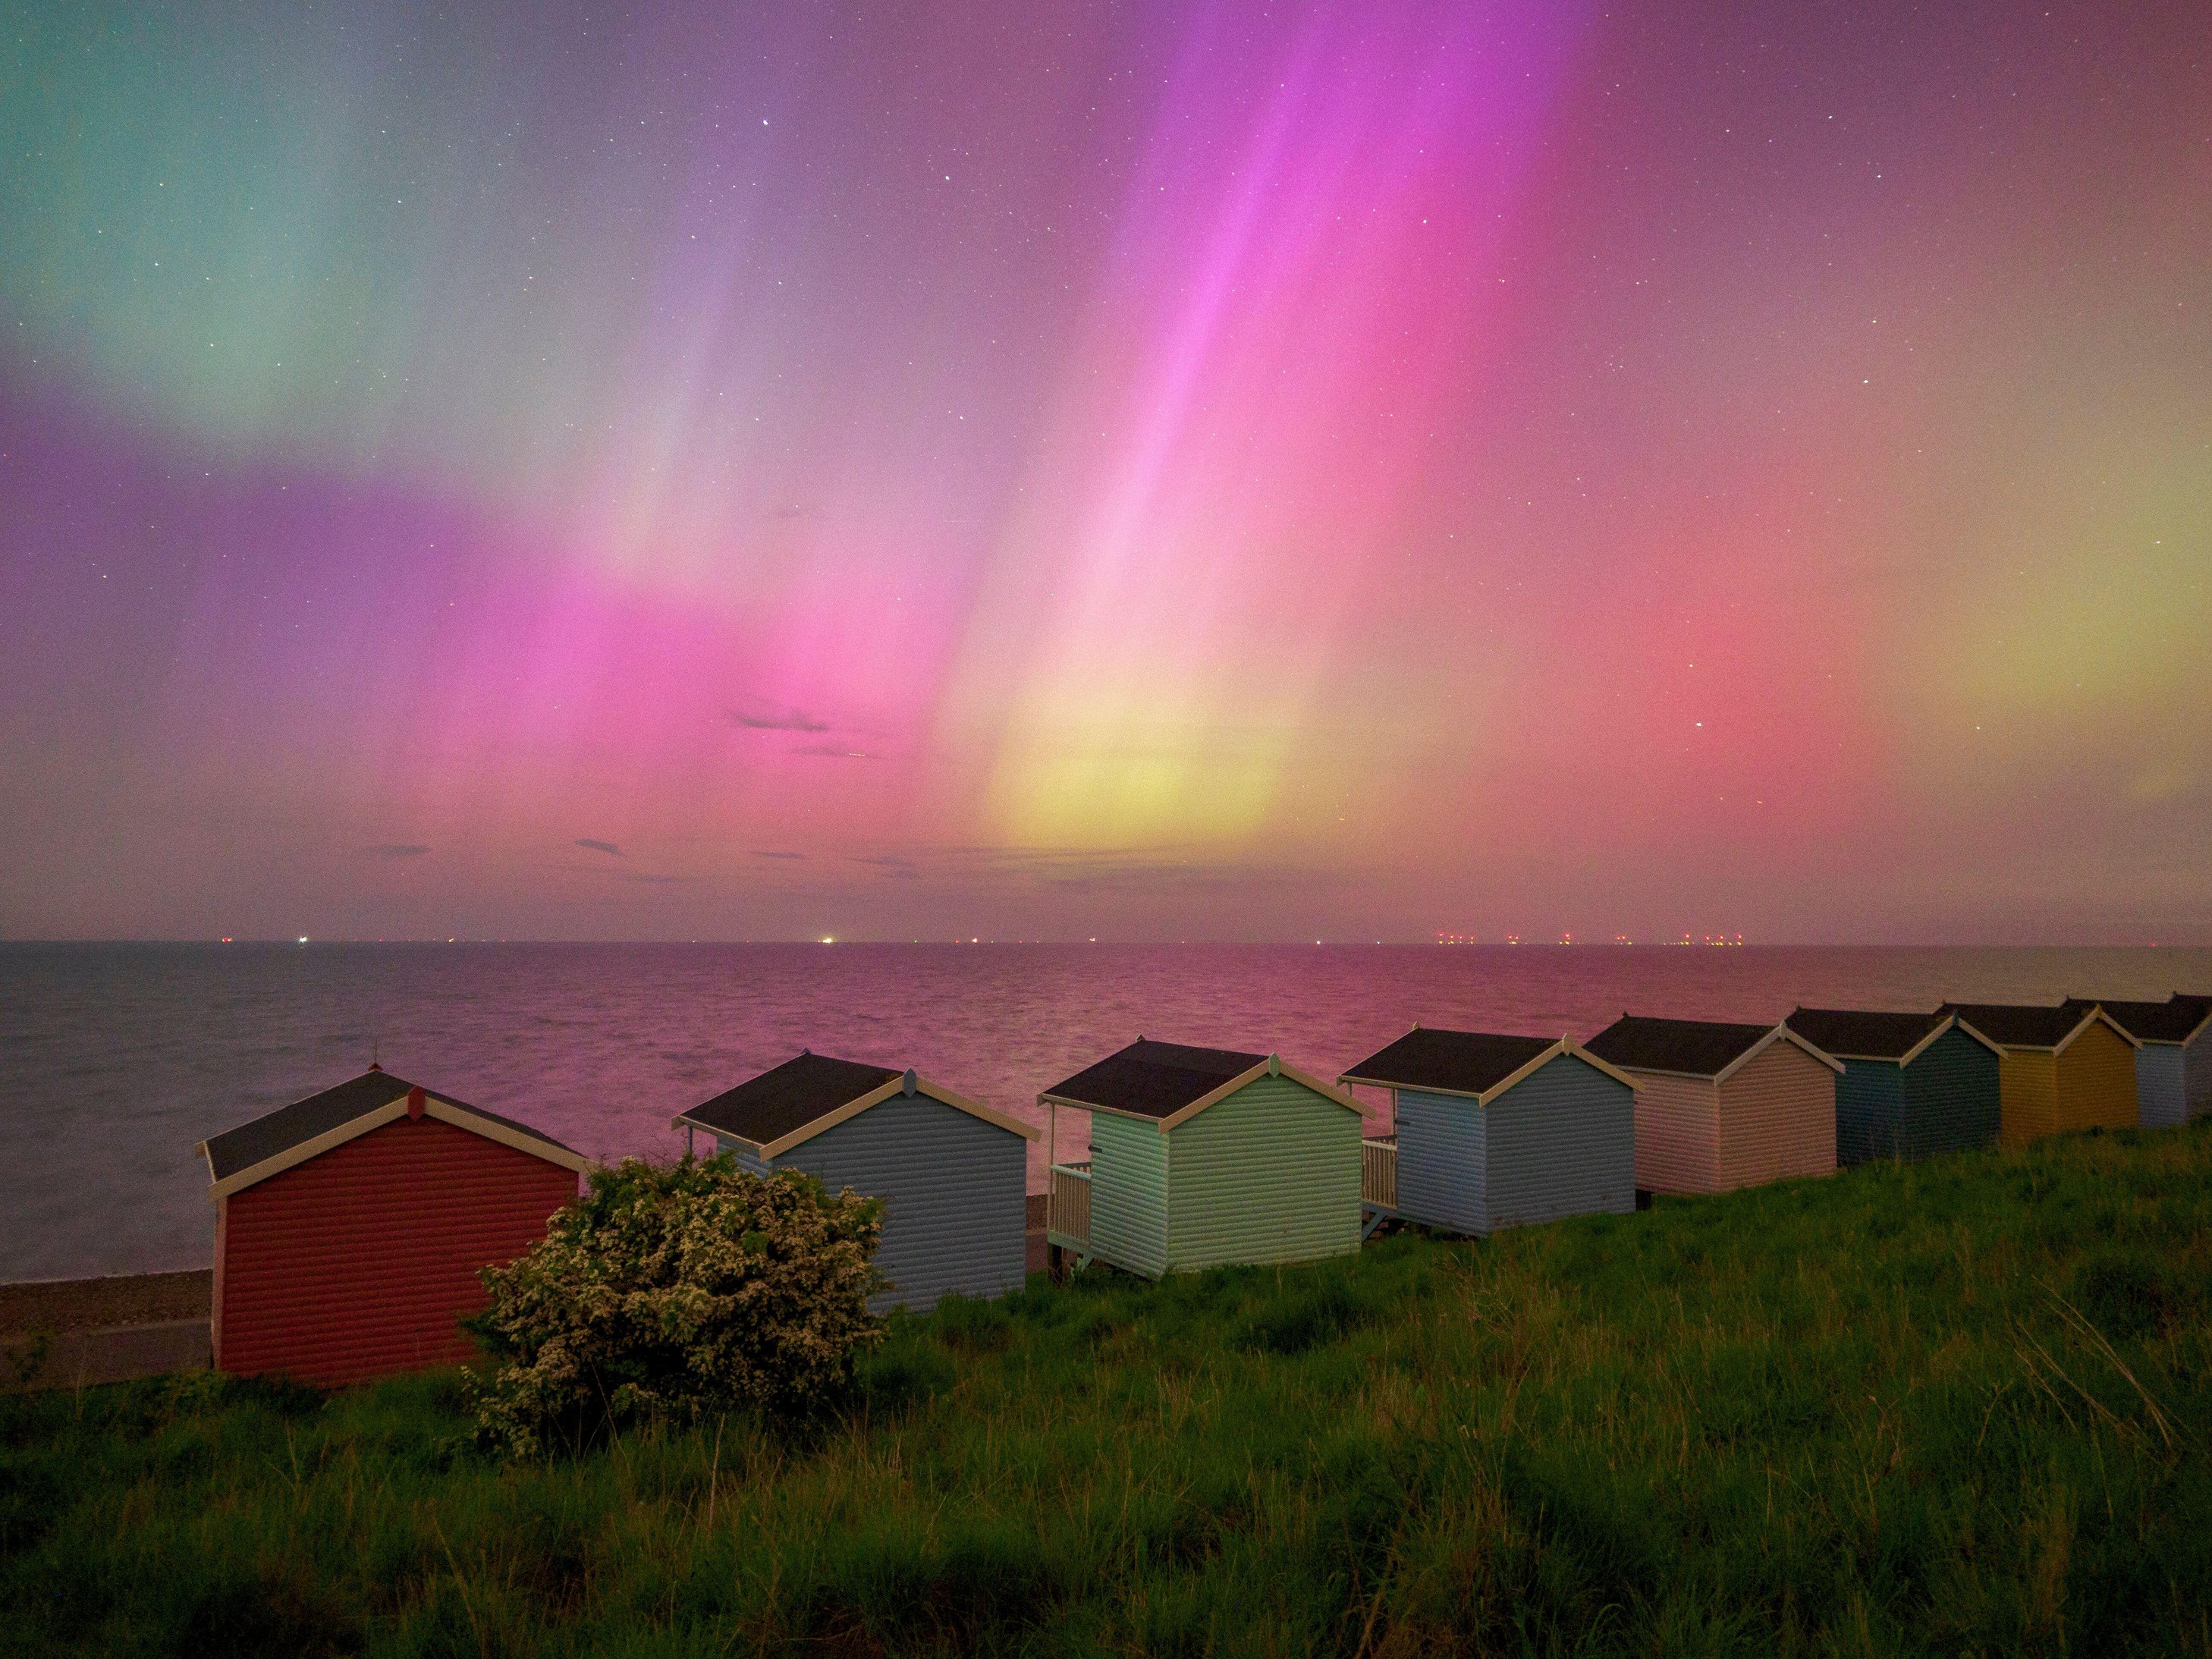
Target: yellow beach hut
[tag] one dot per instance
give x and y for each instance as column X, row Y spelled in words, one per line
column 2063, row 1068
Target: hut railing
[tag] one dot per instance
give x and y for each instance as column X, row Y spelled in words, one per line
column 1378, row 1172
column 1070, row 1213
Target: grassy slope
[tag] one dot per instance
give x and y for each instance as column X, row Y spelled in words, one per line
column 1957, row 1408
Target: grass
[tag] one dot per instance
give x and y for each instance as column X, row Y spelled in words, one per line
column 1957, row 1408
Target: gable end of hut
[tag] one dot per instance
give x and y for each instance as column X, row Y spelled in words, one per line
column 952, row 1185
column 1777, row 1118
column 1951, row 1097
column 1562, row 1142
column 361, row 1261
column 1269, row 1174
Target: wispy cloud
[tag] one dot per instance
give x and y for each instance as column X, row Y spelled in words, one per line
column 771, row 717
column 398, row 850
column 760, row 853
column 606, row 847
column 1108, row 870
column 655, row 881
column 899, row 869
column 797, row 511
column 834, row 751
column 1188, row 878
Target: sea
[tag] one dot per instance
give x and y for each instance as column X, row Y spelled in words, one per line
column 116, row 1060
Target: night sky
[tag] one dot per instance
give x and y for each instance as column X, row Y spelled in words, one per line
column 1031, row 471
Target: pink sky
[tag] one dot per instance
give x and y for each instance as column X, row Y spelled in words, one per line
column 1363, row 472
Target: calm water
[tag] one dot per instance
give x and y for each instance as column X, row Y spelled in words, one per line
column 116, row 1060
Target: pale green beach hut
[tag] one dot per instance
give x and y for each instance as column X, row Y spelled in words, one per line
column 1200, row 1157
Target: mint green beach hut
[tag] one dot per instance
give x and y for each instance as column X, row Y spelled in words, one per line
column 1202, row 1157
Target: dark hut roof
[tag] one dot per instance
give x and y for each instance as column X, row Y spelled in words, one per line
column 788, row 1097
column 278, row 1132
column 1853, row 1034
column 1153, row 1079
column 2019, row 1024
column 1463, row 1062
column 2175, row 1020
column 1698, row 1047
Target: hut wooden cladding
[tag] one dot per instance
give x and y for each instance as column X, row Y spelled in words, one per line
column 953, row 1175
column 1495, row 1132
column 350, row 1227
column 1720, row 1107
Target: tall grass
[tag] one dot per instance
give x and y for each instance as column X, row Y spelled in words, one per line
column 1956, row 1408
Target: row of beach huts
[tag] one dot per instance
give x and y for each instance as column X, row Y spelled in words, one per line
column 350, row 1226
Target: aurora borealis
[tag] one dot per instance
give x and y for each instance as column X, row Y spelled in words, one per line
column 1029, row 470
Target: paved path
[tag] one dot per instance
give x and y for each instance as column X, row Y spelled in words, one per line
column 71, row 1333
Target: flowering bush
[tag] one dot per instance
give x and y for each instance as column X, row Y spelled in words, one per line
column 690, row 1287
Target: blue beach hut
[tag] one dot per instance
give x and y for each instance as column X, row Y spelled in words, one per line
column 953, row 1175
column 2174, row 1063
column 1913, row 1084
column 1495, row 1132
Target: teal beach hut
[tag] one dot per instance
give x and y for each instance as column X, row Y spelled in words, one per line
column 953, row 1175
column 1495, row 1132
column 1913, row 1084
column 1200, row 1157
column 2174, row 1063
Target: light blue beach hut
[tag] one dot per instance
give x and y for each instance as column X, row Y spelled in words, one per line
column 1495, row 1132
column 2173, row 1058
column 953, row 1175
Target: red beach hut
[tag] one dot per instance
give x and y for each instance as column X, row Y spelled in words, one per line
column 349, row 1227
